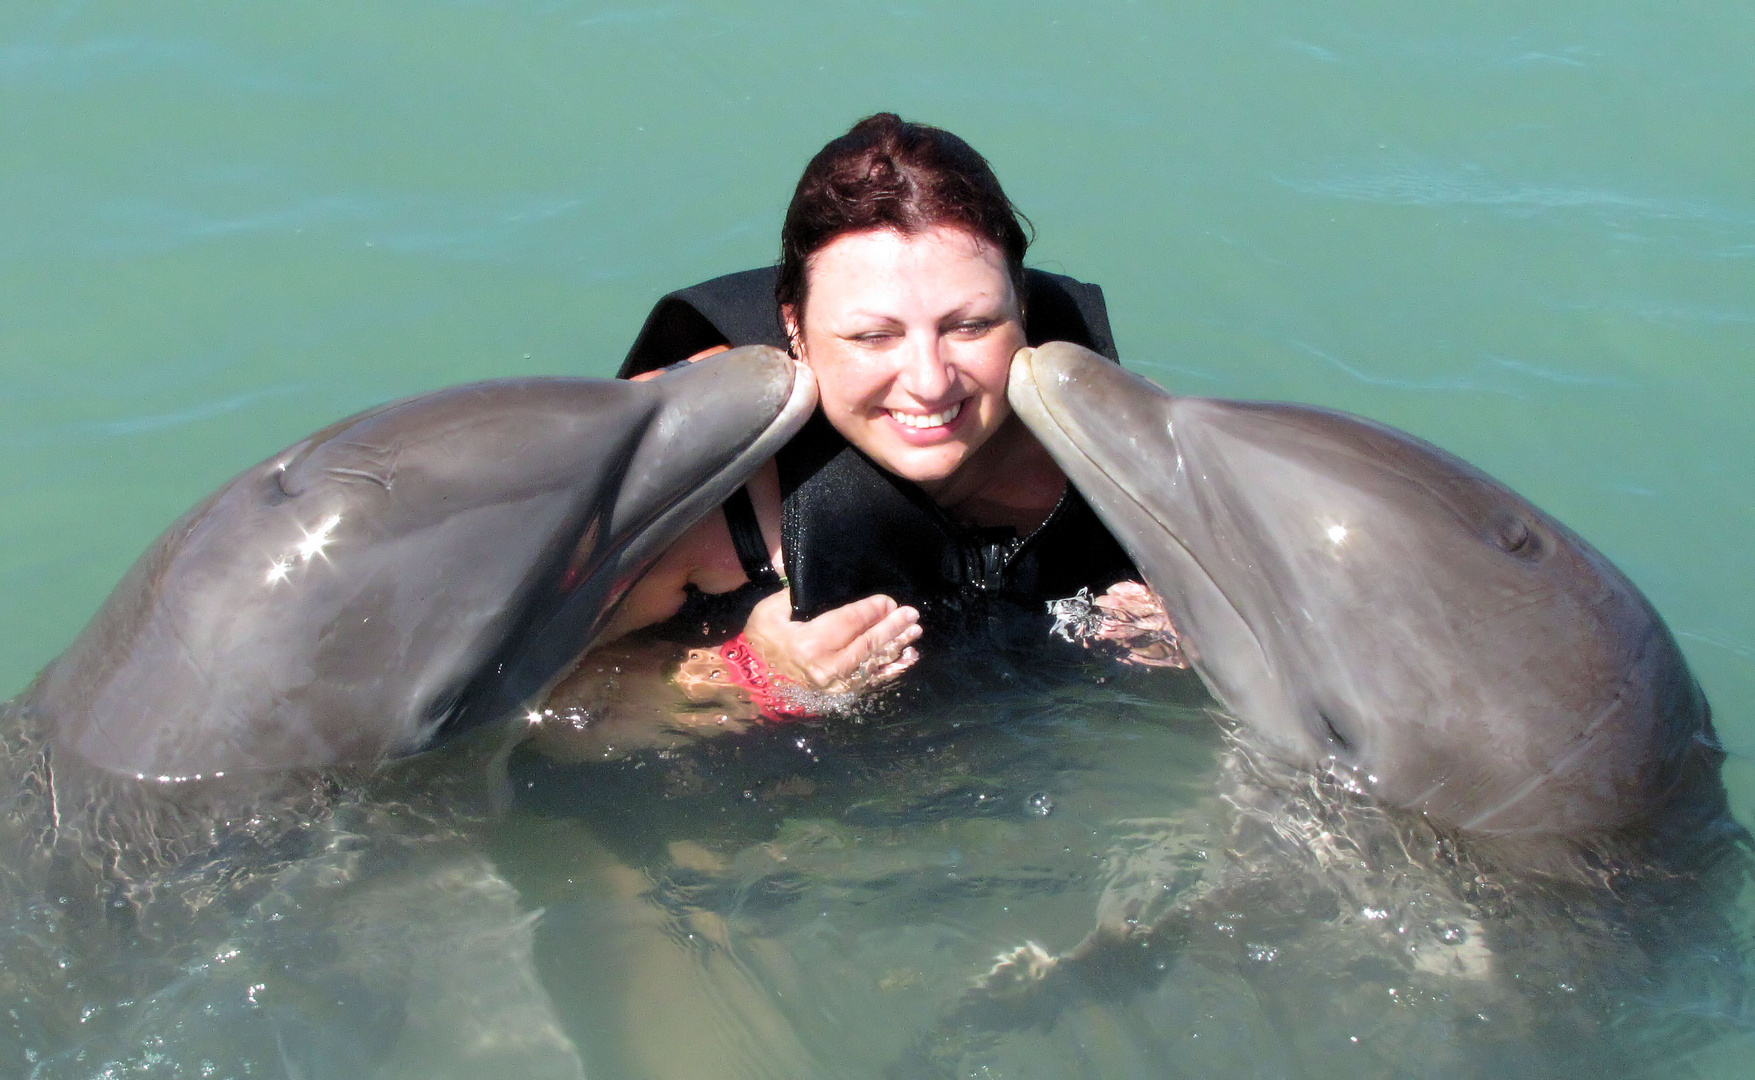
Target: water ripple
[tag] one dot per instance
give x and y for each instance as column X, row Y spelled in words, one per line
column 1438, row 186
column 1562, row 378
column 1747, row 652
column 1489, row 376
column 149, row 423
column 46, row 65
column 1682, row 315
column 471, row 228
column 1315, row 52
column 140, row 425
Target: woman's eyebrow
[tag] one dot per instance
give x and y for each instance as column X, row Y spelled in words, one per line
column 983, row 308
column 862, row 316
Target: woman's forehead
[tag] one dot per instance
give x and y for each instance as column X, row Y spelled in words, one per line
column 935, row 242
column 882, row 269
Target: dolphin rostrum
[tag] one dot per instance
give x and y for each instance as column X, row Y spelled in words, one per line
column 430, row 564
column 1365, row 603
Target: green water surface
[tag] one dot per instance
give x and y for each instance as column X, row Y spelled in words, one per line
column 1523, row 231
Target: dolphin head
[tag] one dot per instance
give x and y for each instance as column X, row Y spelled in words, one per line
column 1364, row 602
column 427, row 565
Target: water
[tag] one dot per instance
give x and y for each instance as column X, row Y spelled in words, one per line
column 1523, row 234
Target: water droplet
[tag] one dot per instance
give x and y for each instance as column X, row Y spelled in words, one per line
column 1040, row 804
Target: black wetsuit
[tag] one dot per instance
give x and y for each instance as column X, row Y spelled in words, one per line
column 851, row 529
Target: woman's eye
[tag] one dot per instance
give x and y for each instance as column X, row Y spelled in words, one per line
column 973, row 328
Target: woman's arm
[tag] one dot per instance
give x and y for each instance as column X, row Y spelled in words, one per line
column 702, row 557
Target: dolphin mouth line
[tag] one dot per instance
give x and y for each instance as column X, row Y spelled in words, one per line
column 801, row 401
column 1023, row 379
column 1581, row 743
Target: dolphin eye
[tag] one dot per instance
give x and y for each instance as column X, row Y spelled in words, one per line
column 1513, row 535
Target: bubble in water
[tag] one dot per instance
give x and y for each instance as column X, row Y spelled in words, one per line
column 1040, row 804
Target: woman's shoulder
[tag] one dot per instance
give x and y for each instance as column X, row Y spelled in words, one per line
column 736, row 309
column 1060, row 308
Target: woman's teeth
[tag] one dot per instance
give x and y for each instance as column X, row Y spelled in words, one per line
column 918, row 420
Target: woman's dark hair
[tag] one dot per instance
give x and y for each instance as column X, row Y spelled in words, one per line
column 887, row 173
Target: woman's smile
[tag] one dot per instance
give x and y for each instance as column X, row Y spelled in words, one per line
column 928, row 424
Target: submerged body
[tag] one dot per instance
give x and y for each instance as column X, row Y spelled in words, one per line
column 1365, row 603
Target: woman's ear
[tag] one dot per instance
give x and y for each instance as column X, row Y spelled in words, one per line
column 794, row 332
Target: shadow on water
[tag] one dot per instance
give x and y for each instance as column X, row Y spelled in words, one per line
column 822, row 900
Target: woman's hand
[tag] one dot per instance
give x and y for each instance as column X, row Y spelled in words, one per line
column 1128, row 620
column 851, row 649
column 1134, row 619
column 635, row 694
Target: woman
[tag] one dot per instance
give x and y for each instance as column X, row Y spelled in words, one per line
column 914, row 499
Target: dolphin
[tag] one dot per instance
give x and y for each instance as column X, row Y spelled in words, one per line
column 1369, row 606
column 415, row 570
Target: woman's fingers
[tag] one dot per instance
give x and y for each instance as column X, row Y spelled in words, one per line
column 1129, row 599
column 849, row 659
column 889, row 635
column 885, row 673
column 851, row 648
column 702, row 355
column 884, row 651
column 842, row 627
column 1134, row 619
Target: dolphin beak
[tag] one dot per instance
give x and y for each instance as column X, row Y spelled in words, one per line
column 1021, row 389
column 1078, row 405
column 748, row 401
column 1106, row 426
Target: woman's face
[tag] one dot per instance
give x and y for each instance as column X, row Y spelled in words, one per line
column 910, row 339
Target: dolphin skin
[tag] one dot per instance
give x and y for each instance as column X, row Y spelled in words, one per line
column 1366, row 604
column 425, row 566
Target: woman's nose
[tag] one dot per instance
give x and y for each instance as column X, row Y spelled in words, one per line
column 927, row 372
